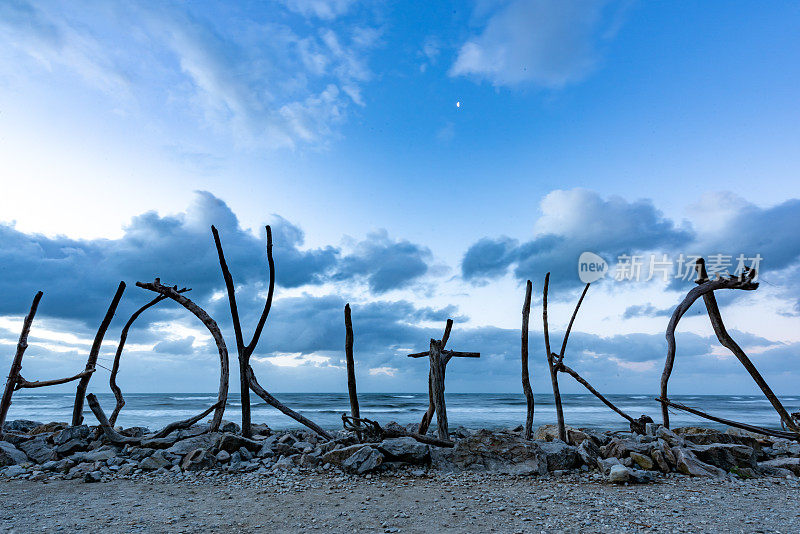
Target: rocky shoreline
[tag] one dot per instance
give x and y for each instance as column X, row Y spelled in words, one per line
column 53, row 451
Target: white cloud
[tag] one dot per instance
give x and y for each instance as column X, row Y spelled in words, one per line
column 323, row 9
column 388, row 371
column 550, row 43
column 258, row 79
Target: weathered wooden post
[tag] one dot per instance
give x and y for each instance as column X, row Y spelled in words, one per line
column 16, row 364
column 526, row 381
column 15, row 380
column 439, row 357
column 91, row 361
column 351, row 371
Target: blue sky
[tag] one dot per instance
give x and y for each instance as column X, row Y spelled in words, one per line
column 419, row 160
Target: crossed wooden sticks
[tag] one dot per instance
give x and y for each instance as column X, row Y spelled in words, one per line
column 439, row 357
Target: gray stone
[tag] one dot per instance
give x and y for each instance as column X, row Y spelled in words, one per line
column 71, row 446
column 197, row 460
column 194, row 430
column 688, row 464
column 559, row 455
column 658, row 457
column 605, row 464
column 618, row 474
column 223, row 457
column 550, row 433
column 303, row 445
column 589, row 452
column 93, row 476
column 78, row 432
column 157, row 460
column 13, row 471
column 338, row 456
column 232, row 443
column 10, row 455
column 126, row 470
column 229, row 427
column 100, row 455
column 645, row 462
column 622, row 448
column 266, row 447
column 502, row 452
column 38, row 450
column 792, row 464
column 363, row 460
column 405, row 450
column 726, row 455
column 185, row 446
column 20, row 425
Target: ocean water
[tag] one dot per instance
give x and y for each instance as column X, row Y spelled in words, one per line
column 472, row 410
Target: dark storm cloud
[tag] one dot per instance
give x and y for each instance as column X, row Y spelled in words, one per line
column 80, row 276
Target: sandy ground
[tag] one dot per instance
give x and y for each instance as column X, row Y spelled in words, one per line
column 439, row 503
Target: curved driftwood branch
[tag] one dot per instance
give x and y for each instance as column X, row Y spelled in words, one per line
column 91, row 362
column 211, row 325
column 245, row 351
column 16, row 363
column 352, row 392
column 186, row 423
column 596, row 393
column 379, row 433
column 742, row 282
column 551, row 363
column 112, row 435
column 735, row 424
column 24, row 384
column 727, row 341
column 526, row 380
column 123, row 337
column 275, row 403
column 571, row 322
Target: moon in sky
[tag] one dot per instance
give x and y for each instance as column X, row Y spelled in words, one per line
column 458, row 104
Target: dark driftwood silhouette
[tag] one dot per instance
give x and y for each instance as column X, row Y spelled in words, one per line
column 246, row 374
column 556, row 364
column 705, row 289
column 123, row 337
column 526, row 380
column 174, row 294
column 377, row 433
column 15, row 380
column 351, row 371
column 735, row 424
column 112, row 435
column 275, row 403
column 551, row 364
column 91, row 362
column 439, row 357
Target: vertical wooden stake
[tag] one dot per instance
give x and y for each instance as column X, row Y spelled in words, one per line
column 437, row 370
column 16, row 364
column 91, row 361
column 526, row 381
column 562, row 431
column 351, row 371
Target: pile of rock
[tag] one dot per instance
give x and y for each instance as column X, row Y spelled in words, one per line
column 55, row 450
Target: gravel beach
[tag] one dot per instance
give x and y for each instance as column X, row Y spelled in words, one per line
column 399, row 502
